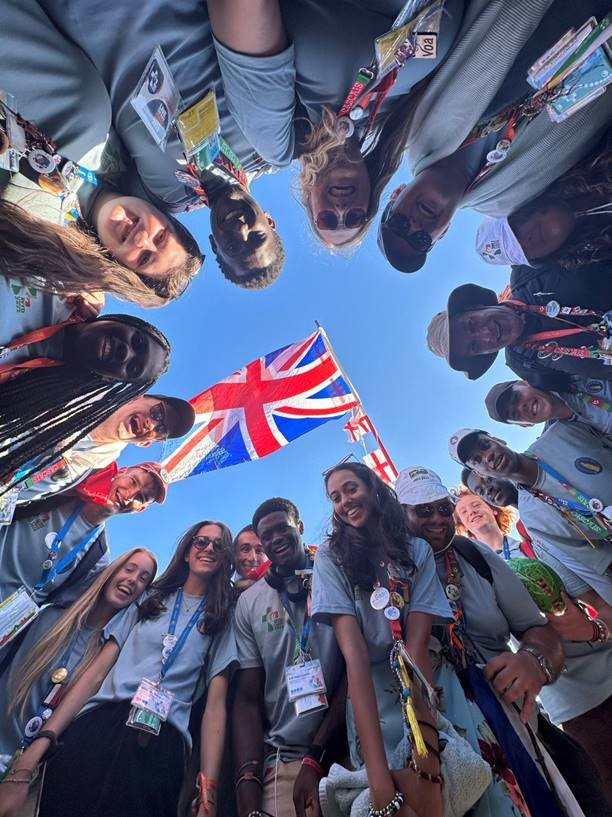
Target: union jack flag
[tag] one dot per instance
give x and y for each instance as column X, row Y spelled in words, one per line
column 260, row 408
column 358, row 425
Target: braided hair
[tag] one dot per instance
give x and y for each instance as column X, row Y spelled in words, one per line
column 44, row 412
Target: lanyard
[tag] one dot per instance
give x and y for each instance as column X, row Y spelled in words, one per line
column 586, row 509
column 304, row 638
column 507, row 554
column 38, row 476
column 10, row 370
column 50, row 568
column 169, row 657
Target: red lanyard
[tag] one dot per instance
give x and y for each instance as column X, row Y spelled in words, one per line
column 10, row 370
column 554, row 311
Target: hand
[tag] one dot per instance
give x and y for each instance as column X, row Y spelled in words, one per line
column 405, row 781
column 12, row 798
column 87, row 305
column 573, row 625
column 306, row 792
column 515, row 676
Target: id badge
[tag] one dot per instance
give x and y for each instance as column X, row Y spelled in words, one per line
column 305, row 679
column 310, row 703
column 143, row 720
column 198, row 127
column 8, row 503
column 153, row 698
column 16, row 613
column 156, row 98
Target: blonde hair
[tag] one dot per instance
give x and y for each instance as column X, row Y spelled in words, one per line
column 67, row 261
column 40, row 657
column 503, row 516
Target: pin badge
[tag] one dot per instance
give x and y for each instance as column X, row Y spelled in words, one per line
column 59, row 675
column 397, row 600
column 50, row 539
column 553, row 308
column 596, row 505
column 47, row 564
column 496, row 156
column 33, row 726
column 345, row 127
column 453, row 592
column 357, row 113
column 46, row 714
column 41, row 161
column 379, row 598
column 169, row 640
column 392, row 613
column 166, row 653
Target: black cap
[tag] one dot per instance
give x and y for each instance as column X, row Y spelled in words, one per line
column 180, row 418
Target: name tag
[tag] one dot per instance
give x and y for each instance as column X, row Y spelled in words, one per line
column 306, row 687
column 154, row 698
column 426, row 46
column 16, row 613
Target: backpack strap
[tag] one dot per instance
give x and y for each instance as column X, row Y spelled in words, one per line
column 468, row 550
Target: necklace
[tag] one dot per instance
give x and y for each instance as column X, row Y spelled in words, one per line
column 187, row 608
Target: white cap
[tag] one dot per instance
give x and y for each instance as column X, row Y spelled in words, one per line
column 497, row 244
column 454, row 443
column 417, row 485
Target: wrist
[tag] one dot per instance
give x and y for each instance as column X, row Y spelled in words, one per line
column 601, row 631
column 547, row 671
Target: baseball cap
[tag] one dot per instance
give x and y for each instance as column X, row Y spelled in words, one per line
column 180, row 418
column 458, row 444
column 155, row 469
column 417, row 484
column 497, row 401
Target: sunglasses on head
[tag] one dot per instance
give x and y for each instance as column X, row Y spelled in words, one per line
column 445, row 508
column 328, row 219
column 419, row 240
column 202, row 542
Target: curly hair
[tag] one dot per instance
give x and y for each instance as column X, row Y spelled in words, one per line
column 220, row 596
column 504, row 517
column 357, row 550
column 68, row 260
column 382, row 152
column 259, row 277
column 272, row 505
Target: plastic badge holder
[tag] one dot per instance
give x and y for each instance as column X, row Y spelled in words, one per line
column 198, row 127
column 156, row 99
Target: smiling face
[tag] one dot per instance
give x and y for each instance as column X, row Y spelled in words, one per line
column 485, row 330
column 249, row 553
column 132, row 490
column 141, row 421
column 432, row 521
column 205, row 554
column 130, row 580
column 543, row 228
column 475, row 514
column 242, row 233
column 115, row 350
column 139, row 236
column 498, row 492
column 340, row 198
column 350, row 497
column 281, row 538
column 527, row 405
column 491, row 457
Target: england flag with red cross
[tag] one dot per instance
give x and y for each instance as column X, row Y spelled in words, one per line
column 260, row 408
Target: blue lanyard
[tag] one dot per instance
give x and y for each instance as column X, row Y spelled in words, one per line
column 49, row 573
column 583, row 500
column 305, row 637
column 506, row 549
column 180, row 642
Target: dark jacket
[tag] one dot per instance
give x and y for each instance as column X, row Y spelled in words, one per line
column 589, row 287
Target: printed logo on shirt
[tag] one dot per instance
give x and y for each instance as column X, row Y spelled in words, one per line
column 273, row 619
column 594, row 386
column 23, row 297
column 587, row 465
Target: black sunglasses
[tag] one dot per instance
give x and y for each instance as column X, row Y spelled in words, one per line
column 328, row 219
column 419, row 240
column 202, row 542
column 445, row 508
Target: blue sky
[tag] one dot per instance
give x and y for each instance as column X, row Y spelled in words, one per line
column 376, row 319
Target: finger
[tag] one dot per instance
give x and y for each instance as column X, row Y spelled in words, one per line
column 504, row 679
column 528, row 708
column 494, row 666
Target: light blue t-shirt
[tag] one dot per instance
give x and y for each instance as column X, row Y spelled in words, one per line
column 333, row 595
column 141, row 657
column 581, row 403
column 266, row 640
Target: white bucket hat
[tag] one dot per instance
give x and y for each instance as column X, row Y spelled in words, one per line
column 416, row 485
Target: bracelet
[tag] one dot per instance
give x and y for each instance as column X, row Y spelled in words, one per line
column 249, row 776
column 390, row 809
column 247, row 764
column 432, row 778
column 307, row 760
column 601, row 631
column 259, row 813
column 545, row 665
column 11, row 778
column 317, row 752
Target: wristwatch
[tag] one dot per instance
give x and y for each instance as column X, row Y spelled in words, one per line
column 545, row 665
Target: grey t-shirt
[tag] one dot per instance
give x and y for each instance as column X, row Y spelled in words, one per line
column 140, row 657
column 584, row 409
column 333, row 595
column 266, row 640
column 492, row 613
column 12, row 724
column 23, row 549
column 583, row 456
column 587, row 681
column 182, row 29
column 329, row 43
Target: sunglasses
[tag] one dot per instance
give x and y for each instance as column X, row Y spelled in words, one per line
column 419, row 240
column 202, row 542
column 328, row 219
column 158, row 414
column 445, row 508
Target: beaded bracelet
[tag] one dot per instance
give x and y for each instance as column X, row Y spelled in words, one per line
column 259, row 813
column 601, row 631
column 390, row 809
column 10, row 776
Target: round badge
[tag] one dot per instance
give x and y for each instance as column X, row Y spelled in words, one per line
column 607, row 512
column 495, row 156
column 169, row 640
column 379, row 598
column 553, row 308
column 453, row 592
column 47, row 564
column 345, row 127
column 46, row 714
column 41, row 162
column 397, row 600
column 356, row 114
column 166, row 653
column 33, row 726
column 596, row 505
column 50, row 539
column 392, row 613
column 503, row 145
column 59, row 675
